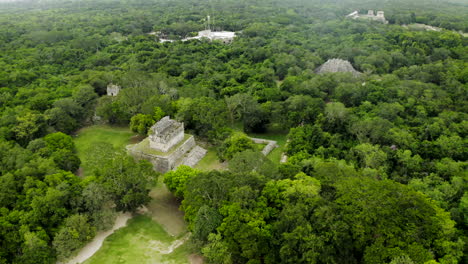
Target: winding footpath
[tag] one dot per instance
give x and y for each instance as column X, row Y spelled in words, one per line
column 93, row 246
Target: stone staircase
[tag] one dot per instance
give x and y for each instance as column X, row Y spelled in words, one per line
column 192, row 157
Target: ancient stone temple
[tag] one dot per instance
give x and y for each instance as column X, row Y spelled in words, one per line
column 337, row 65
column 370, row 15
column 165, row 134
column 113, row 90
column 167, row 146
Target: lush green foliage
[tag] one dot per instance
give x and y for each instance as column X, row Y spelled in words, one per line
column 377, row 166
column 235, row 143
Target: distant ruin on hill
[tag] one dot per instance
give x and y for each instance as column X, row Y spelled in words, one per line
column 337, row 65
column 208, row 34
column 113, row 90
column 380, row 16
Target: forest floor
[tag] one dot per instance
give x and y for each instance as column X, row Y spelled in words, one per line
column 157, row 234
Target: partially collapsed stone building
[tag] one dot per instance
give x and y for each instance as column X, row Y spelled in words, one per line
column 380, row 16
column 337, row 65
column 165, row 134
column 113, row 90
column 168, row 146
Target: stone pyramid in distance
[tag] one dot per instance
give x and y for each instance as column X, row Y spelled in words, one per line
column 337, row 65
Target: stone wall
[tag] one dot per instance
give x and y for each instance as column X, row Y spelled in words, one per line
column 166, row 163
column 113, row 90
column 271, row 144
column 181, row 151
column 166, row 142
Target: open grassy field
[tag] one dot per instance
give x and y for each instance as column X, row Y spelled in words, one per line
column 142, row 241
column 87, row 137
column 210, row 161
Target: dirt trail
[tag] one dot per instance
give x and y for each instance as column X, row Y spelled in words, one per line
column 160, row 247
column 93, row 246
column 164, row 209
column 176, row 244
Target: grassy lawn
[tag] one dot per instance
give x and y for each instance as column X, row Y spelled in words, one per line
column 119, row 137
column 280, row 138
column 141, row 241
column 273, row 133
column 210, row 161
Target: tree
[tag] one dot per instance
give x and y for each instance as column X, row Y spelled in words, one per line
column 303, row 109
column 98, row 204
column 377, row 212
column 127, row 181
column 205, row 115
column 28, row 127
column 307, row 138
column 158, row 114
column 176, row 180
column 140, row 123
column 236, row 143
column 337, row 117
column 253, row 161
column 60, row 120
column 59, row 141
column 217, row 251
column 205, row 223
column 66, row 160
column 72, row 236
column 35, row 249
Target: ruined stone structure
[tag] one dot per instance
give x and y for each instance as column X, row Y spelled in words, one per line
column 224, row 36
column 270, row 145
column 113, row 90
column 168, row 146
column 165, row 134
column 370, row 15
column 337, row 65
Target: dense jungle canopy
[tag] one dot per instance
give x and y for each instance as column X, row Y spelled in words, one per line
column 377, row 163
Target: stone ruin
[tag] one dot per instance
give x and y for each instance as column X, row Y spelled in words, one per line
column 168, row 147
column 113, row 90
column 165, row 134
column 337, row 65
column 370, row 15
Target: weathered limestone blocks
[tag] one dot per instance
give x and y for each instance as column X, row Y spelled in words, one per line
column 337, row 65
column 194, row 156
column 370, row 15
column 165, row 134
column 113, row 90
column 162, row 162
column 168, row 146
column 271, row 144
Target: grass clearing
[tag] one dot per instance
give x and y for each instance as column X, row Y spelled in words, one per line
column 280, row 138
column 141, row 241
column 210, row 161
column 87, row 137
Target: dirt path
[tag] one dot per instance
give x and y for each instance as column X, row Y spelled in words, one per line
column 158, row 246
column 164, row 209
column 93, row 246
